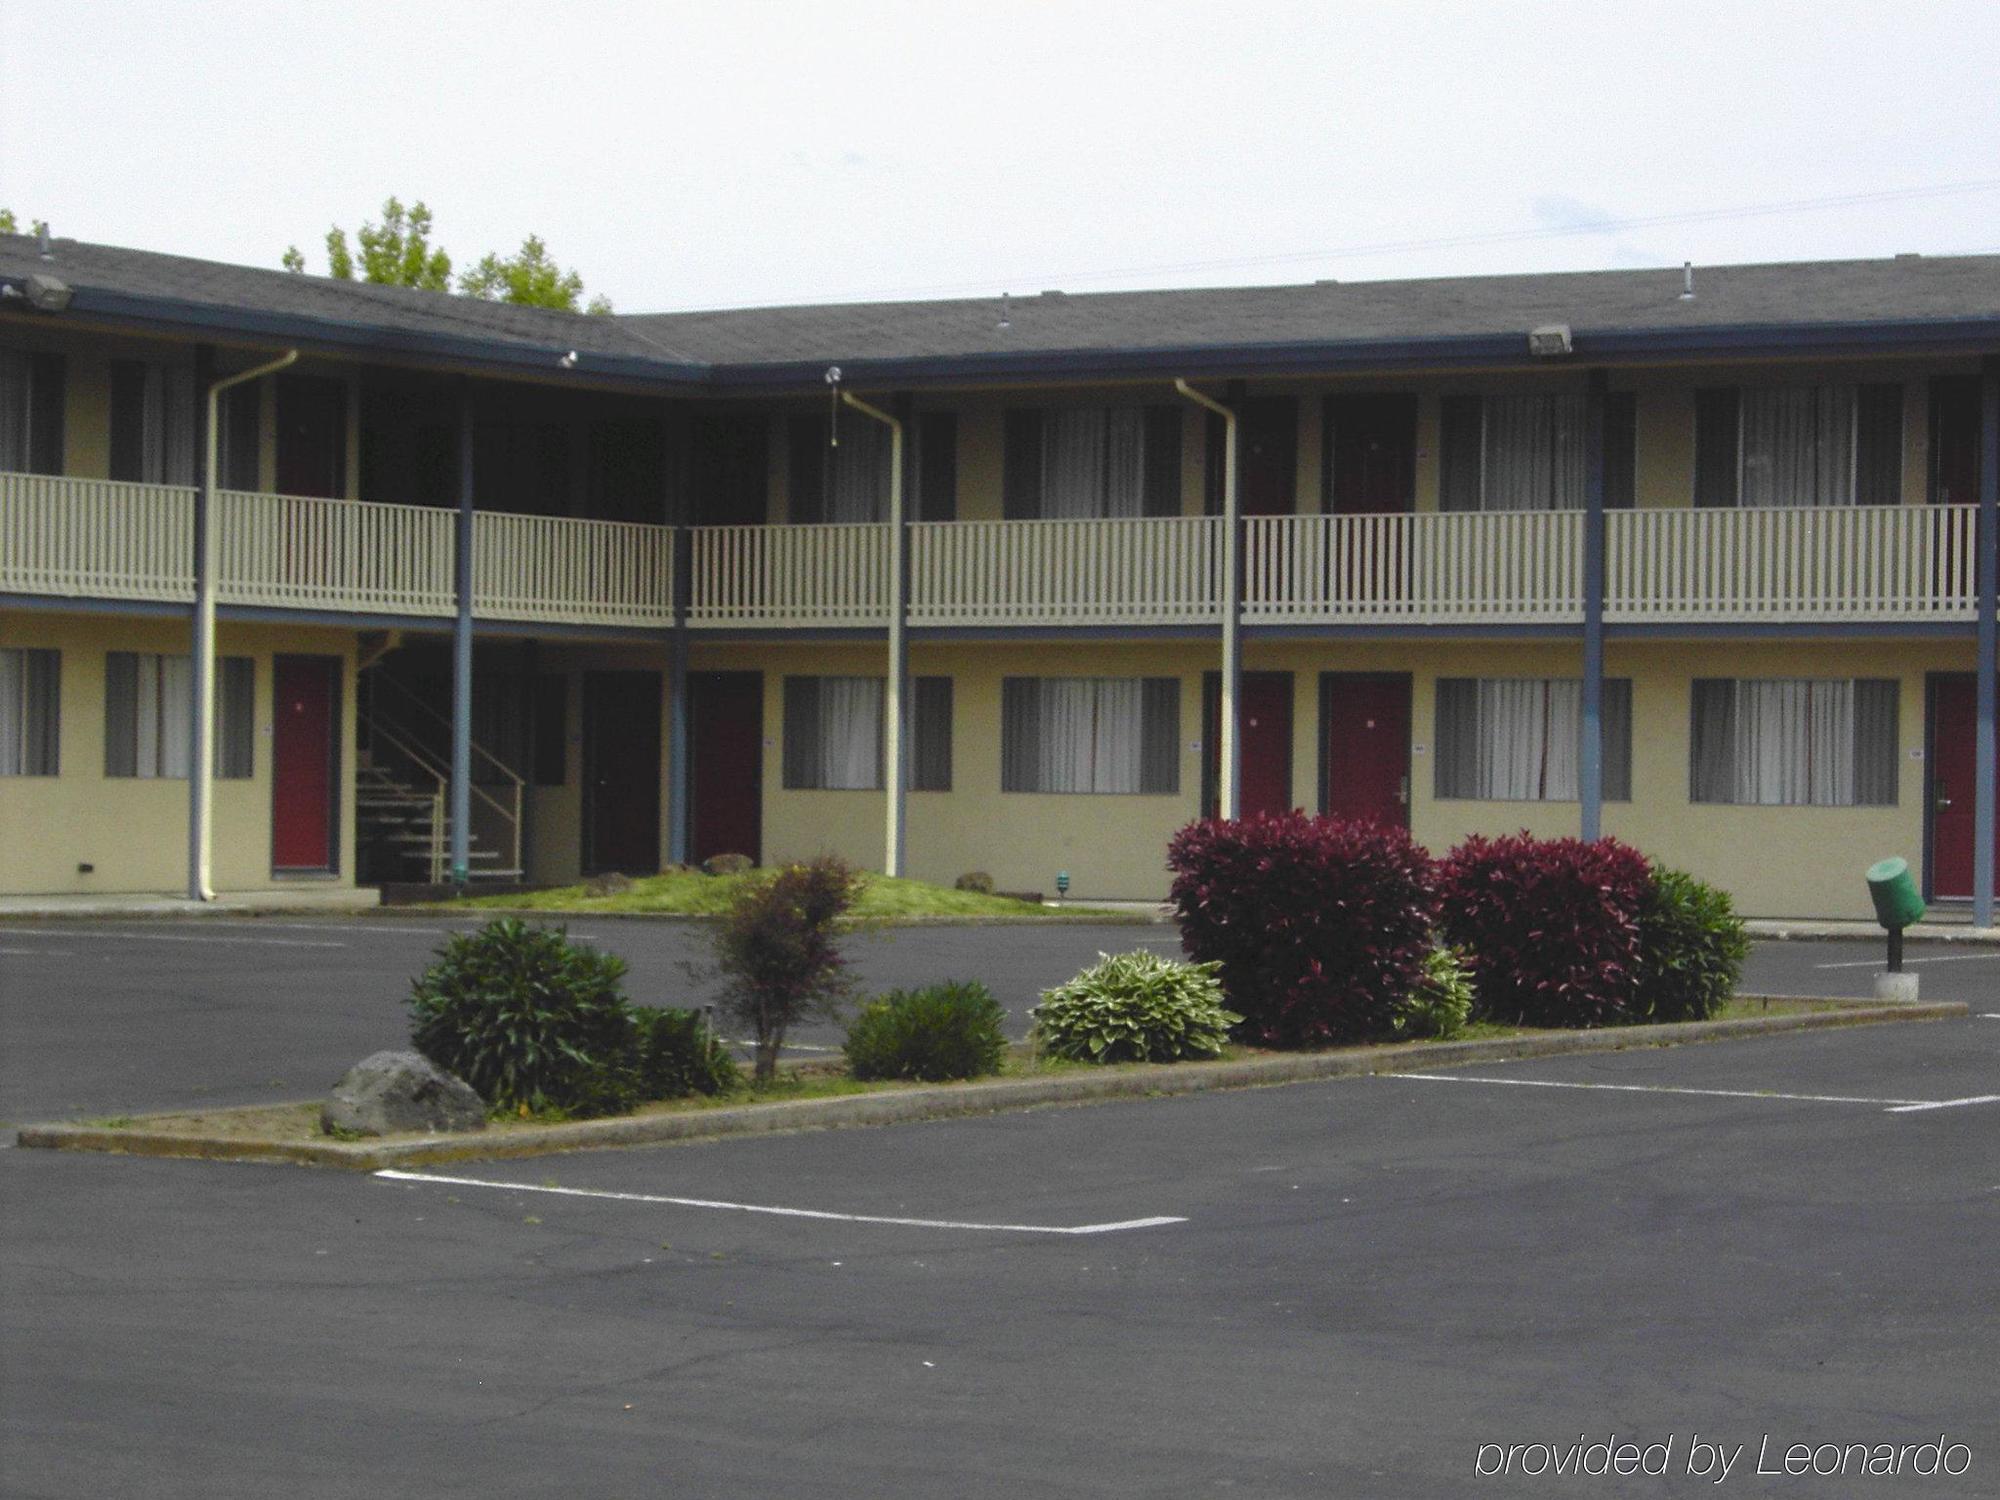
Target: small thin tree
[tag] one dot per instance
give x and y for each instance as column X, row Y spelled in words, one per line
column 777, row 948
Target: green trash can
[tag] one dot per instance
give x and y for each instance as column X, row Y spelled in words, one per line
column 1898, row 903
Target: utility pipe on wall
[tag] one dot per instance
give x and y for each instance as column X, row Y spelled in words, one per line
column 1229, row 759
column 899, row 659
column 201, row 768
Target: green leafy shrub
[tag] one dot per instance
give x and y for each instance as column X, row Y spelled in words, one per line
column 1440, row 1003
column 974, row 880
column 728, row 864
column 676, row 1055
column 1691, row 949
column 1135, row 1007
column 777, row 951
column 943, row 1031
column 528, row 1018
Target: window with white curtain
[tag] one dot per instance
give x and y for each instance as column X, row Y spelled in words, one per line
column 834, row 738
column 1092, row 463
column 1799, row 445
column 152, row 422
column 1516, row 739
column 30, row 712
column 1090, row 734
column 31, row 412
column 1513, row 452
column 857, row 471
column 1821, row 742
column 149, row 715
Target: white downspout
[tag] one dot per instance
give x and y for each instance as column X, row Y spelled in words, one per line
column 892, row 707
column 201, row 767
column 1229, row 777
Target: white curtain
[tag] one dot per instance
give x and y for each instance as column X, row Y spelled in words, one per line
column 1125, row 462
column 13, row 410
column 1120, row 716
column 1068, row 728
column 164, row 717
column 1533, row 453
column 858, row 477
column 850, row 726
column 1795, row 742
column 1528, row 734
column 1798, row 445
column 1073, row 464
column 13, row 713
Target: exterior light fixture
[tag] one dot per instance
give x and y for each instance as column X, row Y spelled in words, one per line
column 1550, row 340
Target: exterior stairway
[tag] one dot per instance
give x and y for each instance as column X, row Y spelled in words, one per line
column 405, row 827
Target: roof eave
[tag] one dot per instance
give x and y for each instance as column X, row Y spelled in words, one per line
column 168, row 315
column 1357, row 356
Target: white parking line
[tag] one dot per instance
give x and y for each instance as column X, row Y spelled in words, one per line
column 1910, row 1109
column 1911, row 963
column 36, row 953
column 171, row 937
column 1659, row 1088
column 787, row 1213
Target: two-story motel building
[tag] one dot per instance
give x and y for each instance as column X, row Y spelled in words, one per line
column 1703, row 560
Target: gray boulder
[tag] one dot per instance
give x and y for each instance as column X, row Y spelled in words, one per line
column 400, row 1091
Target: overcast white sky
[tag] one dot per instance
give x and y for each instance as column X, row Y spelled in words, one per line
column 701, row 155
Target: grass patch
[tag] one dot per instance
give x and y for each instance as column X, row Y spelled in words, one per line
column 689, row 893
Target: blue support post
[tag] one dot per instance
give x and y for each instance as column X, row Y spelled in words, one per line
column 1590, row 749
column 461, row 654
column 1984, row 804
column 678, row 781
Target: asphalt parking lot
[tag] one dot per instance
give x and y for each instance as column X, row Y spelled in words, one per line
column 223, row 1011
column 1354, row 1288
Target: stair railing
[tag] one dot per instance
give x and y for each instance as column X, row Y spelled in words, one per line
column 439, row 780
column 512, row 781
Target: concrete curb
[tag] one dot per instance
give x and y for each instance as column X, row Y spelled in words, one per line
column 951, row 1101
column 1777, row 930
column 1025, row 919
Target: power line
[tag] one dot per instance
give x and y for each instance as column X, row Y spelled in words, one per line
column 1445, row 242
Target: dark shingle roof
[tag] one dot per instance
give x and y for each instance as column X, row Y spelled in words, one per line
column 1798, row 294
column 1025, row 334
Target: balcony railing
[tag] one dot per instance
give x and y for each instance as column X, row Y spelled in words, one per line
column 1515, row 567
column 1859, row 562
column 1127, row 572
column 790, row 575
column 94, row 538
column 91, row 538
column 97, row 538
column 576, row 572
column 294, row 553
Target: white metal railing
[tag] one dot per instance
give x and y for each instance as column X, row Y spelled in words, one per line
column 96, row 538
column 790, row 575
column 292, row 552
column 584, row 572
column 1424, row 568
column 1861, row 562
column 1125, row 572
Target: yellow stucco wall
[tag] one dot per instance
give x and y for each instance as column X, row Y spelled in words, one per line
column 134, row 831
column 1776, row 861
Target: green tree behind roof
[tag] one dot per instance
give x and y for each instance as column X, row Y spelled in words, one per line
column 398, row 252
column 529, row 277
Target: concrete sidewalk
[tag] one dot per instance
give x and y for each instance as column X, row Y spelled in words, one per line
column 1809, row 930
column 313, row 898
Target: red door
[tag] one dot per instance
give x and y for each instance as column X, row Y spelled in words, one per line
column 1371, row 454
column 1269, row 435
column 312, row 436
column 305, row 693
column 1264, row 719
column 726, row 755
column 1365, row 727
column 621, row 772
column 1954, row 703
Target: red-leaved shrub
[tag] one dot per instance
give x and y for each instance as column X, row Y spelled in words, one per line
column 1550, row 927
column 1320, row 925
